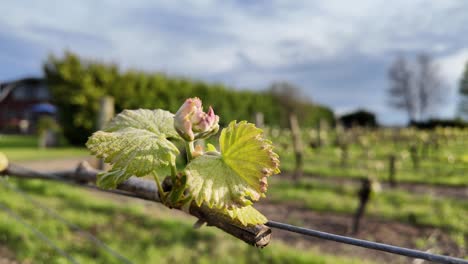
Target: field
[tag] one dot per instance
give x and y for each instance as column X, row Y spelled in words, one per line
column 427, row 209
column 24, row 148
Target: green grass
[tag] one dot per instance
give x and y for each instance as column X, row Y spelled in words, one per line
column 143, row 234
column 444, row 163
column 24, row 148
column 424, row 210
column 432, row 170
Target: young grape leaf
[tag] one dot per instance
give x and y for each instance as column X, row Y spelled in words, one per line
column 238, row 175
column 136, row 143
column 247, row 215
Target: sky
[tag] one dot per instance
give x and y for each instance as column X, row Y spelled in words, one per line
column 337, row 52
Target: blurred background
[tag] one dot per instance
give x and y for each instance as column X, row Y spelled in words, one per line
column 366, row 103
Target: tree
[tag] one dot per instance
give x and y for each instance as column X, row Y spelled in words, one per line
column 360, row 118
column 401, row 91
column 463, row 105
column 418, row 90
column 77, row 84
column 289, row 98
column 429, row 85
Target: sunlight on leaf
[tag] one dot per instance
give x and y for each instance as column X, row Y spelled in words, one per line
column 247, row 215
column 238, row 175
column 136, row 143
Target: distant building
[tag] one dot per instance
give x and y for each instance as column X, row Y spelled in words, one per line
column 22, row 102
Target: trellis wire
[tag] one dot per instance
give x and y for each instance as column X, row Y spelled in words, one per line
column 71, row 225
column 367, row 244
column 38, row 233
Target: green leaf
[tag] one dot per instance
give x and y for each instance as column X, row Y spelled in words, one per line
column 158, row 121
column 247, row 215
column 136, row 143
column 210, row 148
column 238, row 175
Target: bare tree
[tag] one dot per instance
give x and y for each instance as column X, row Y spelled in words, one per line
column 463, row 90
column 401, row 92
column 429, row 85
column 290, row 98
column 288, row 95
column 419, row 89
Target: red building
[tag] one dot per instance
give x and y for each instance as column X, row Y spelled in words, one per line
column 22, row 102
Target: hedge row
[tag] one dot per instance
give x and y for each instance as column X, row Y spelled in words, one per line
column 78, row 84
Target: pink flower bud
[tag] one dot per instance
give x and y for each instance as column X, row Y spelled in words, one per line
column 192, row 123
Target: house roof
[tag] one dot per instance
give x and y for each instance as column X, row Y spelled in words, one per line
column 7, row 87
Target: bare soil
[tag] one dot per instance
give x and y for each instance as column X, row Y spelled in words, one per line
column 6, row 256
column 389, row 232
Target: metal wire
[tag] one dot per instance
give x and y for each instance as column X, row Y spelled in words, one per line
column 367, row 244
column 71, row 225
column 38, row 233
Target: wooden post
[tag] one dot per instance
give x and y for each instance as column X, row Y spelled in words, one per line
column 425, row 149
column 364, row 196
column 106, row 112
column 319, row 134
column 344, row 154
column 392, row 170
column 339, row 131
column 259, row 120
column 414, row 156
column 43, row 139
column 297, row 145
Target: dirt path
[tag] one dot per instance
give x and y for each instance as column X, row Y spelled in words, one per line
column 390, row 232
column 6, row 256
column 56, row 164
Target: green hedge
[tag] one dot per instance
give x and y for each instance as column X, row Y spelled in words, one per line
column 77, row 85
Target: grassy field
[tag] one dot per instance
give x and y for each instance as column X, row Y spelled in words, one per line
column 430, row 172
column 24, row 148
column 446, row 164
column 420, row 210
column 142, row 233
column 148, row 233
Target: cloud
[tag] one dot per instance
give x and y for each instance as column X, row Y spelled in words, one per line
column 337, row 52
column 452, row 65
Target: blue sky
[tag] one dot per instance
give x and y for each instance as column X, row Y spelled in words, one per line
column 338, row 52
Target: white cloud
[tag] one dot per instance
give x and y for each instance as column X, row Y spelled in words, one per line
column 217, row 39
column 452, row 65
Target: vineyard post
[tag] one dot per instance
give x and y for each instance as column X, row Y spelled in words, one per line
column 414, row 156
column 435, row 142
column 319, row 133
column 344, row 154
column 106, row 112
column 297, row 145
column 259, row 120
column 364, row 195
column 392, row 170
column 339, row 130
column 425, row 149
